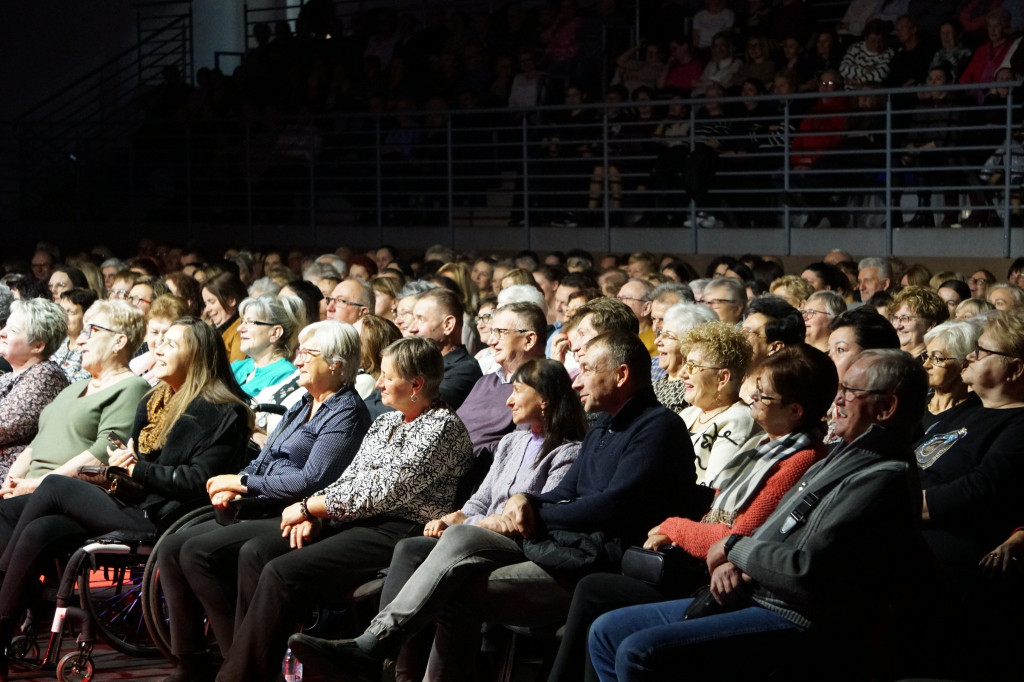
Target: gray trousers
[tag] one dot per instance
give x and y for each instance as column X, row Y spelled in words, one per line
column 471, row 576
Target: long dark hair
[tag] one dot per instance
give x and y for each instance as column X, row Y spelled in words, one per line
column 564, row 419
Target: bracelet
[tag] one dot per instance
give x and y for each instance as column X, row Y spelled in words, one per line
column 304, row 508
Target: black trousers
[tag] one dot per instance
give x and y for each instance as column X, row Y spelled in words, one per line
column 596, row 594
column 278, row 586
column 60, row 515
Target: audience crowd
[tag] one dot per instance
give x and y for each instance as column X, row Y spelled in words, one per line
column 823, row 455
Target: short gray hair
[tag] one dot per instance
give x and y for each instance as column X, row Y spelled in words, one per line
column 114, row 263
column 369, row 299
column 737, row 290
column 881, row 264
column 317, row 271
column 6, row 296
column 1015, row 292
column 521, row 293
column 273, row 310
column 697, row 286
column 958, row 335
column 414, row 288
column 898, row 372
column 124, row 318
column 669, row 290
column 264, row 285
column 682, row 317
column 339, row 342
column 44, row 321
column 833, row 302
column 335, row 261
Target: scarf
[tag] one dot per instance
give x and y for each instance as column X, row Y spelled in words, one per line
column 156, row 412
column 743, row 476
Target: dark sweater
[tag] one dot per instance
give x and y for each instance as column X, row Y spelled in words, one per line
column 461, row 372
column 634, row 470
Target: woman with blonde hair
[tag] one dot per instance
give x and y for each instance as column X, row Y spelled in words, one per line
column 718, row 357
column 913, row 311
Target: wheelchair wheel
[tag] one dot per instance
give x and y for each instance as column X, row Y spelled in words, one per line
column 74, row 668
column 154, row 607
column 112, row 593
column 23, row 649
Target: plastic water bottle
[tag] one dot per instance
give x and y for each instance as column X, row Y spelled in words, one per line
column 291, row 667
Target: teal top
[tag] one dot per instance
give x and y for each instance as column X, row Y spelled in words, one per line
column 253, row 379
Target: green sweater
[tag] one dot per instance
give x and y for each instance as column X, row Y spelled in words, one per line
column 74, row 423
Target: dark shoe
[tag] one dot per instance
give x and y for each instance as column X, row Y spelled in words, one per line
column 329, row 657
column 197, row 668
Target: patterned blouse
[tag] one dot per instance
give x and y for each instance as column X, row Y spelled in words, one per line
column 407, row 470
column 69, row 358
column 22, row 398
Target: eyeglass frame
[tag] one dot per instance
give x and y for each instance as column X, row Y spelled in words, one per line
column 758, row 396
column 302, row 354
column 89, row 328
column 858, row 392
column 690, row 365
column 501, row 332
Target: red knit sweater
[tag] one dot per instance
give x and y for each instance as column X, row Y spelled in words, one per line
column 696, row 537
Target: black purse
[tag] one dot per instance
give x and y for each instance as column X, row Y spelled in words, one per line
column 116, row 481
column 669, row 569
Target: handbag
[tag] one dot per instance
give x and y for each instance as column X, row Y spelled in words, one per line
column 116, row 481
column 670, row 569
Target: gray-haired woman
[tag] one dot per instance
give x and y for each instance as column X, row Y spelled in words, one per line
column 679, row 319
column 33, row 332
column 946, row 349
column 818, row 311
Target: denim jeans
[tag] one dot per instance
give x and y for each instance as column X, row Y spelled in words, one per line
column 653, row 642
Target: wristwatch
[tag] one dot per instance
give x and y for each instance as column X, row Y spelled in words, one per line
column 244, row 480
column 732, row 540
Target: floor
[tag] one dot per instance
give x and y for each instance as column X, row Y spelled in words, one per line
column 108, row 665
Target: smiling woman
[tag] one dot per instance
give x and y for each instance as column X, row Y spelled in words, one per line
column 221, row 296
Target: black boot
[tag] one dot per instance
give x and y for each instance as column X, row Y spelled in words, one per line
column 193, row 668
column 7, row 628
column 322, row 656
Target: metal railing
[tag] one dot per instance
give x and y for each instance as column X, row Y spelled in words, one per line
column 528, row 172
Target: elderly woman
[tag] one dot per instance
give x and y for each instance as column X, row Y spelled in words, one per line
column 316, row 441
column 405, row 474
column 819, row 310
column 970, row 460
column 946, row 349
column 221, row 296
column 794, row 389
column 73, row 428
column 68, row 356
column 718, row 356
column 1006, row 296
column 191, row 427
column 679, row 319
column 913, row 311
column 33, row 331
column 267, row 330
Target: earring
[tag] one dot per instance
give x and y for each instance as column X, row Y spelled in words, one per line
column 414, row 397
column 542, row 409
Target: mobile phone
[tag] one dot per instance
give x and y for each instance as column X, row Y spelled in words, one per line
column 114, row 439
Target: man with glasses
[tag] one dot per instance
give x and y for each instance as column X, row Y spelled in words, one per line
column 437, row 315
column 634, row 466
column 636, row 294
column 349, row 301
column 831, row 558
column 727, row 297
column 517, row 330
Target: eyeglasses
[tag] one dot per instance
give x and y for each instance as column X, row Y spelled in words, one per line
column 759, row 396
column 755, row 333
column 136, row 300
column 484, row 317
column 117, row 294
column 978, row 350
column 306, row 353
column 502, row 333
column 903, row 319
column 690, row 366
column 850, row 393
column 88, row 330
column 248, row 322
column 668, row 336
column 810, row 312
column 59, row 286
column 937, row 359
column 630, row 298
column 977, row 280
column 338, row 300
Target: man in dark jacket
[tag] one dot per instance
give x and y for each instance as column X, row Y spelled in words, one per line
column 829, row 557
column 635, row 466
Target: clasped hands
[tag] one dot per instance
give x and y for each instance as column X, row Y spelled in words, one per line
column 515, row 519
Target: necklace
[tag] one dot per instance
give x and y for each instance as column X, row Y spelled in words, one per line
column 708, row 416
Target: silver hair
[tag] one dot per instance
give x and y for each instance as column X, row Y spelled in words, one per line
column 697, row 286
column 369, row 299
column 317, row 271
column 339, row 342
column 335, row 261
column 264, row 286
column 958, row 335
column 682, row 317
column 672, row 290
column 901, row 374
column 114, row 263
column 414, row 288
column 44, row 321
column 1015, row 292
column 273, row 310
column 521, row 293
column 833, row 302
column 6, row 296
column 881, row 264
column 737, row 291
column 123, row 317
